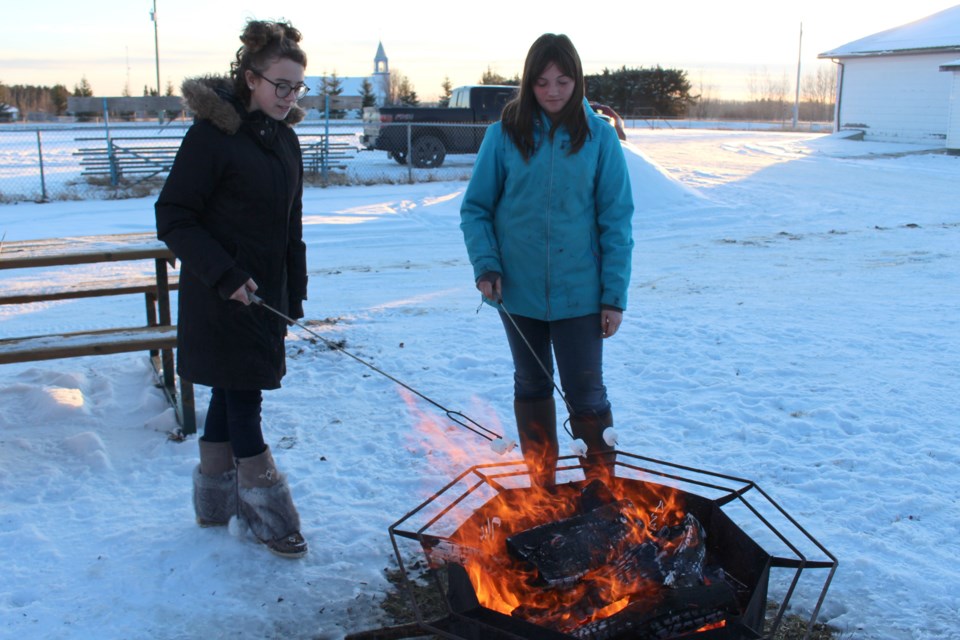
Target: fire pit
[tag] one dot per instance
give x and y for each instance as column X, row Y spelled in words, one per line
column 655, row 550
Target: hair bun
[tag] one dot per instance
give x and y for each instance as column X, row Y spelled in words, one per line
column 289, row 32
column 259, row 34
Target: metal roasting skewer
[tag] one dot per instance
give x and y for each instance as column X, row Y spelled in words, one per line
column 543, row 367
column 498, row 443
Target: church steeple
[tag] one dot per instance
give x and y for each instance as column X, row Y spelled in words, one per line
column 380, row 63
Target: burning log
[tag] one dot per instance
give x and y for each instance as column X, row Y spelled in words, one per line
column 669, row 613
column 660, row 573
column 595, row 494
column 673, row 558
column 565, row 550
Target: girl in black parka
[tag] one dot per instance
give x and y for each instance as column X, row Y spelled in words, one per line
column 231, row 212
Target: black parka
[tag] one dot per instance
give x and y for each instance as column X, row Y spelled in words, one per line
column 231, row 209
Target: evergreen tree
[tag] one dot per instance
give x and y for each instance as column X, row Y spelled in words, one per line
column 447, row 87
column 367, row 97
column 657, row 91
column 492, row 77
column 333, row 86
column 406, row 94
column 83, row 90
column 399, row 90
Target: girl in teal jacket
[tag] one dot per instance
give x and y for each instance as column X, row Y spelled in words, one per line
column 547, row 224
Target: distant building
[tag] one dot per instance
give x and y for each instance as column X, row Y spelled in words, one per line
column 896, row 85
column 353, row 85
column 9, row 113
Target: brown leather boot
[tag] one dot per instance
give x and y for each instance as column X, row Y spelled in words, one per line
column 537, row 432
column 599, row 462
column 215, row 484
column 267, row 507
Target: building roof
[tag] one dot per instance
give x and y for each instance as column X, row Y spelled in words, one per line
column 349, row 85
column 935, row 33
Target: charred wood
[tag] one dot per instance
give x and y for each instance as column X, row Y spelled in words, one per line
column 565, row 550
column 673, row 558
column 596, row 494
column 671, row 613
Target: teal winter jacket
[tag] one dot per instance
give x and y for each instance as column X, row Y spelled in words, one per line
column 557, row 227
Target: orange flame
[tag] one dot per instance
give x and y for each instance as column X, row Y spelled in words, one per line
column 502, row 583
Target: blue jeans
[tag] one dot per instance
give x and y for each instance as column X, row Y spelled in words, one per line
column 578, row 347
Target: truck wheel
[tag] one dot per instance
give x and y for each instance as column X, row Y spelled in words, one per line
column 399, row 156
column 428, row 152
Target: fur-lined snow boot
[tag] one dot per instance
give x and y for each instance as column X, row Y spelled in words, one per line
column 267, row 506
column 215, row 484
column 600, row 456
column 537, row 432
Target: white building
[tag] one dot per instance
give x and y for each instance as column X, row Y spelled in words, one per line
column 891, row 86
column 353, row 85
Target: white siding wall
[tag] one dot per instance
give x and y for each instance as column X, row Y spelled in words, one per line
column 953, row 126
column 897, row 98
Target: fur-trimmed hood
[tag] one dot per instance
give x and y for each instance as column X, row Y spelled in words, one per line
column 212, row 98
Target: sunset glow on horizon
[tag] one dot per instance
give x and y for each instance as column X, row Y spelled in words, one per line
column 722, row 48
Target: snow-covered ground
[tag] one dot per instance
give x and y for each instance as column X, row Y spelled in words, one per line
column 793, row 320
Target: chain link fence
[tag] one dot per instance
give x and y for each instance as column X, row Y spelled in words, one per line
column 79, row 162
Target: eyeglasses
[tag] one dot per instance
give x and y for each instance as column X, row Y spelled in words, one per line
column 284, row 89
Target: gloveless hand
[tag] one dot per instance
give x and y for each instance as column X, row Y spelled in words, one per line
column 610, row 321
column 243, row 293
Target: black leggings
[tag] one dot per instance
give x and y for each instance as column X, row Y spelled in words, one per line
column 234, row 416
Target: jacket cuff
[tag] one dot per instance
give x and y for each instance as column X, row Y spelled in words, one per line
column 230, row 281
column 610, row 307
column 296, row 309
column 489, row 276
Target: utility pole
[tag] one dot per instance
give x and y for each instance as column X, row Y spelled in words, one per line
column 156, row 42
column 796, row 97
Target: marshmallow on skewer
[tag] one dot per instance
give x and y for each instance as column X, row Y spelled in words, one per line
column 579, row 448
column 502, row 445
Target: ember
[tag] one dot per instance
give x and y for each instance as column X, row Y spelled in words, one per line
column 625, row 558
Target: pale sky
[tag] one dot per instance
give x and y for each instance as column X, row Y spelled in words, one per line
column 721, row 45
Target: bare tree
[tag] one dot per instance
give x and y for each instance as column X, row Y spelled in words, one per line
column 704, row 106
column 819, row 92
column 392, row 86
column 768, row 97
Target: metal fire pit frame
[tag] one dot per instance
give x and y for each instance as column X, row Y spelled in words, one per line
column 723, row 490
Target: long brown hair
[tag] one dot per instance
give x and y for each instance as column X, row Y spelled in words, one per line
column 520, row 113
column 263, row 43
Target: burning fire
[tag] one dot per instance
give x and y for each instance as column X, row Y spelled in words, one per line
column 511, row 586
column 503, row 584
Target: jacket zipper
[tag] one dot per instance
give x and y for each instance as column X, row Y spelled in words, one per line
column 546, row 218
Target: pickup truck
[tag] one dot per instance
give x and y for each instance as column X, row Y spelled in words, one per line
column 426, row 135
